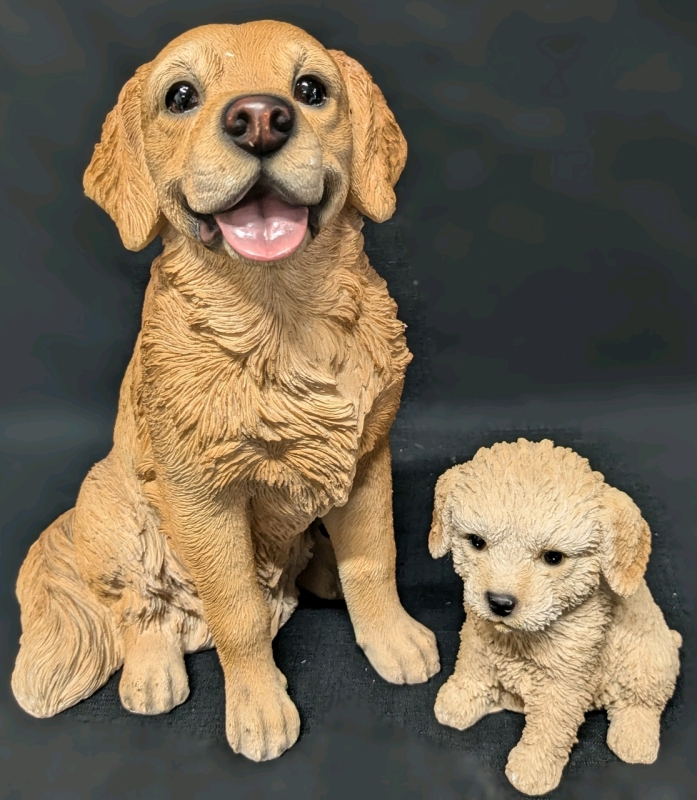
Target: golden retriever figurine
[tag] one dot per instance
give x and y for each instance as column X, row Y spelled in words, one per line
column 264, row 382
column 559, row 618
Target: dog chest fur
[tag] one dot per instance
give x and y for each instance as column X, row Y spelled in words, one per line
column 568, row 653
column 278, row 378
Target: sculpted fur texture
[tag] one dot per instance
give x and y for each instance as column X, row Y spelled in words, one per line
column 559, row 618
column 259, row 397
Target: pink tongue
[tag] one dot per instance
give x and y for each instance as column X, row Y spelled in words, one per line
column 264, row 228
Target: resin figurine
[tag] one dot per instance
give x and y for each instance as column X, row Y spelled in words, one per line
column 559, row 618
column 259, row 398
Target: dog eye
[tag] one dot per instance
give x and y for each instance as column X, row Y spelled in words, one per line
column 310, row 91
column 476, row 541
column 553, row 557
column 181, row 97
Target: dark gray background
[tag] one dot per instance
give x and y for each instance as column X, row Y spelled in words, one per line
column 543, row 256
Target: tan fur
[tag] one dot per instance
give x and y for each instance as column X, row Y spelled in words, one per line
column 585, row 634
column 258, row 399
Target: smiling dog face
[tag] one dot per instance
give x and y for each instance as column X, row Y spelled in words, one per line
column 248, row 138
column 532, row 529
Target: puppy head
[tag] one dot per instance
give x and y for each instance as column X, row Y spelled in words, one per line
column 533, row 530
column 248, row 138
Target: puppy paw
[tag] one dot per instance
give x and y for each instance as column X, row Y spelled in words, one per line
column 532, row 770
column 402, row 650
column 458, row 708
column 634, row 734
column 154, row 685
column 261, row 720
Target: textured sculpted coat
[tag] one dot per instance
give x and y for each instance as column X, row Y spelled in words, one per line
column 559, row 618
column 259, row 398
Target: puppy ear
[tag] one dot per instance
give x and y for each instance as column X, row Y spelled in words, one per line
column 440, row 537
column 117, row 178
column 379, row 148
column 626, row 543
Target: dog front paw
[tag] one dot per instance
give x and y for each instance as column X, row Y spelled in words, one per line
column 261, row 720
column 153, row 683
column 532, row 770
column 459, row 708
column 401, row 651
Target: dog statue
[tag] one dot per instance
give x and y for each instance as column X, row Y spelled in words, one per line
column 259, row 398
column 559, row 618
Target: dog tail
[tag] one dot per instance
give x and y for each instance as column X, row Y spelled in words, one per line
column 68, row 647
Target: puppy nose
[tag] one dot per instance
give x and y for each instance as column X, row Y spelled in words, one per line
column 501, row 604
column 259, row 123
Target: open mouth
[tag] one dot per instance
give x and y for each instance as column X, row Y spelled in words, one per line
column 262, row 226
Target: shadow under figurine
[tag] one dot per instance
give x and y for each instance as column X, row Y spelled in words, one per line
column 559, row 619
column 259, row 397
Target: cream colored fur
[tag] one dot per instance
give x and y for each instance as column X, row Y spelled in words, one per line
column 258, row 399
column 585, row 633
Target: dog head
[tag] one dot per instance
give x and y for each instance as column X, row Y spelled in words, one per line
column 248, row 138
column 533, row 530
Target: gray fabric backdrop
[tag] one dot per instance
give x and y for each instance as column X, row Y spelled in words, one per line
column 543, row 256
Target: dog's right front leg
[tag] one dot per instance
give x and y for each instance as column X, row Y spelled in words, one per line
column 213, row 538
column 470, row 692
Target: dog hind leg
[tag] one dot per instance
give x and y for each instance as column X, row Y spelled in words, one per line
column 634, row 733
column 130, row 561
column 641, row 666
column 321, row 575
column 69, row 646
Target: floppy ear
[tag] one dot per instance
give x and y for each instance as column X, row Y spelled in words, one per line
column 117, row 178
column 379, row 149
column 626, row 543
column 440, row 537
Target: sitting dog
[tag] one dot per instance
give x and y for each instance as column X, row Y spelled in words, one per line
column 264, row 381
column 559, row 617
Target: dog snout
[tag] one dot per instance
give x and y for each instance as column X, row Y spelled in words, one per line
column 501, row 604
column 259, row 124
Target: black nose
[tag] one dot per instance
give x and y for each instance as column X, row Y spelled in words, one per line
column 501, row 604
column 258, row 123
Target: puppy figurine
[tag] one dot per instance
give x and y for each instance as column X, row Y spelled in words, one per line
column 259, row 398
column 559, row 618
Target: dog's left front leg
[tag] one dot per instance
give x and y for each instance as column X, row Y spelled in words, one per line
column 400, row 649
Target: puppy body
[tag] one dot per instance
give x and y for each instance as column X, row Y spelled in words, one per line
column 584, row 633
column 259, row 398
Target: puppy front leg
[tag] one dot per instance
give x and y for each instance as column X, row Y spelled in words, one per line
column 471, row 692
column 214, row 539
column 400, row 649
column 553, row 715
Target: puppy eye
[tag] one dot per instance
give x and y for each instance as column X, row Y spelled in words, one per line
column 310, row 91
column 476, row 541
column 553, row 557
column 181, row 97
